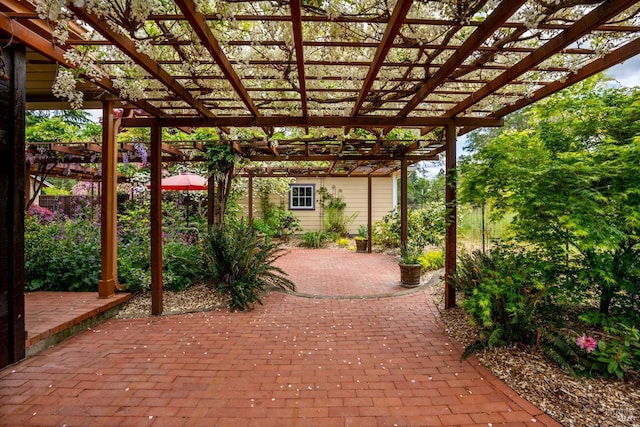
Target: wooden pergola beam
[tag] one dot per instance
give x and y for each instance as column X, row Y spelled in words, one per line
column 598, row 16
column 44, row 47
column 391, row 31
column 143, row 60
column 494, row 21
column 325, row 121
column 621, row 54
column 339, row 157
column 199, row 26
column 296, row 22
column 382, row 20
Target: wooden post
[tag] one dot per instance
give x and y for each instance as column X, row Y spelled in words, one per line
column 156, row 221
column 109, row 207
column 404, row 214
column 451, row 204
column 369, row 214
column 250, row 201
column 12, row 196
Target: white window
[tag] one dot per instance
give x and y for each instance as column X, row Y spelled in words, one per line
column 302, row 196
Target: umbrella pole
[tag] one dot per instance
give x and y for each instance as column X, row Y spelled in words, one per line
column 188, row 199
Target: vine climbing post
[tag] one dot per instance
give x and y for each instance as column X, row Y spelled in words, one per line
column 221, row 163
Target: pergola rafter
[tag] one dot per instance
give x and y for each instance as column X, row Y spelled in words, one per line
column 486, row 29
column 199, row 25
column 296, row 22
column 142, row 59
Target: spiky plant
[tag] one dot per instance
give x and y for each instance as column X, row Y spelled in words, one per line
column 240, row 263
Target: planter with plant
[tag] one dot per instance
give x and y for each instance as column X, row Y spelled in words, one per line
column 362, row 239
column 410, row 267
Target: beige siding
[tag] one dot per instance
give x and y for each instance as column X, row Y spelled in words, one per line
column 352, row 190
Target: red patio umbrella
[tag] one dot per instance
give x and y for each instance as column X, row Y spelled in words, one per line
column 186, row 181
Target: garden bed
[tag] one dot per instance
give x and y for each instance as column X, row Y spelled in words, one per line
column 569, row 400
column 195, row 298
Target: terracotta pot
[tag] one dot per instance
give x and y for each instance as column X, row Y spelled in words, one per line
column 410, row 275
column 361, row 245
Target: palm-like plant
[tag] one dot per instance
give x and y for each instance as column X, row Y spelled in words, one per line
column 241, row 264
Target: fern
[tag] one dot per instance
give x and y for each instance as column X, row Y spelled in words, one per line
column 241, row 264
column 473, row 348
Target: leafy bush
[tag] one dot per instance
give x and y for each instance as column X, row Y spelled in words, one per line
column 240, row 264
column 315, row 239
column 425, row 226
column 503, row 291
column 432, row 260
column 277, row 222
column 61, row 255
column 179, row 265
column 615, row 355
column 386, row 232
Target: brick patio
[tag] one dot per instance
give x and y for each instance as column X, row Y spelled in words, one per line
column 295, row 361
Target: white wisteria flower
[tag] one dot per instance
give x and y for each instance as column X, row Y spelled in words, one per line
column 64, row 87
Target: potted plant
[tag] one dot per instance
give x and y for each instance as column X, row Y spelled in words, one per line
column 410, row 267
column 362, row 239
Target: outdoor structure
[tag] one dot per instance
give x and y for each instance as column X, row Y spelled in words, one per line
column 363, row 90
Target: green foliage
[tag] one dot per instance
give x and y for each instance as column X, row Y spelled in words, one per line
column 335, row 220
column 432, row 260
column 315, row 239
column 386, row 232
column 363, row 232
column 426, row 226
column 277, row 222
column 61, row 255
column 572, row 179
column 411, row 252
column 617, row 354
column 240, row 264
column 503, row 291
column 55, row 191
column 179, row 265
column 422, row 191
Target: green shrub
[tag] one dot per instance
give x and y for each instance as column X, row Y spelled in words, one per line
column 433, row 260
column 240, row 264
column 277, row 222
column 315, row 239
column 503, row 291
column 61, row 255
column 179, row 265
column 614, row 355
column 426, row 226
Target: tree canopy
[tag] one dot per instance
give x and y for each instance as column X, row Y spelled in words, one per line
column 570, row 171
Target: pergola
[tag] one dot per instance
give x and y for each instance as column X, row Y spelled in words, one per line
column 361, row 88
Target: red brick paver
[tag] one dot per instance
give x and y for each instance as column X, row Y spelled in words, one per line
column 48, row 313
column 291, row 362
